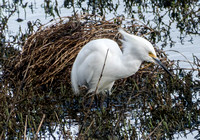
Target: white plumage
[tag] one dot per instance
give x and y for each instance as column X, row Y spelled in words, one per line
column 119, row 64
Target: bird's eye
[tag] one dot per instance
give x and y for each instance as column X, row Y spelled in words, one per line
column 152, row 55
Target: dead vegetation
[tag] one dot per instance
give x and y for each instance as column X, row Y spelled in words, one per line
column 36, row 83
column 48, row 54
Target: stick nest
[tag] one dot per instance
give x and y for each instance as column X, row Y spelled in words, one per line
column 47, row 56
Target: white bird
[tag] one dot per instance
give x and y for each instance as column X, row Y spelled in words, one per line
column 88, row 65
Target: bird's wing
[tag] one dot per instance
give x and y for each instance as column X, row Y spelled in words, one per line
column 89, row 62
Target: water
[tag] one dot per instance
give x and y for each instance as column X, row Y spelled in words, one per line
column 185, row 43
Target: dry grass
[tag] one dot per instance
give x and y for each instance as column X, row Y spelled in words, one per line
column 36, row 83
column 48, row 54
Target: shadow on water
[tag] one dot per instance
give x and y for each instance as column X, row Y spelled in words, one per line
column 149, row 105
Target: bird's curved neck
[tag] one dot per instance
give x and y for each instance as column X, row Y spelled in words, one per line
column 128, row 66
column 131, row 63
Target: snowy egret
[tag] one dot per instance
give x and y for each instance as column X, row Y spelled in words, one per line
column 103, row 58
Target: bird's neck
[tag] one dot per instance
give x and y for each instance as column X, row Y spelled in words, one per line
column 129, row 65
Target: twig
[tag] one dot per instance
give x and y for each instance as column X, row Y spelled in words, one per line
column 1, row 135
column 186, row 69
column 101, row 75
column 89, row 126
column 60, row 123
column 25, row 127
column 154, row 130
column 102, row 71
column 182, row 55
column 6, row 124
column 39, row 126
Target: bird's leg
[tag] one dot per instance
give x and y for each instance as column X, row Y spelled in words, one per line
column 108, row 98
column 103, row 96
column 96, row 100
column 100, row 100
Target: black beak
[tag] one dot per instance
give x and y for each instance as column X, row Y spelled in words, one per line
column 163, row 66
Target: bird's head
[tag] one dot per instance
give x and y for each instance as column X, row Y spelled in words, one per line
column 142, row 49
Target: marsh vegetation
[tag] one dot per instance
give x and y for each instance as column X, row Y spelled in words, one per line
column 35, row 92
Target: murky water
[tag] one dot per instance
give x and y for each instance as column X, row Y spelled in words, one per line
column 177, row 27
